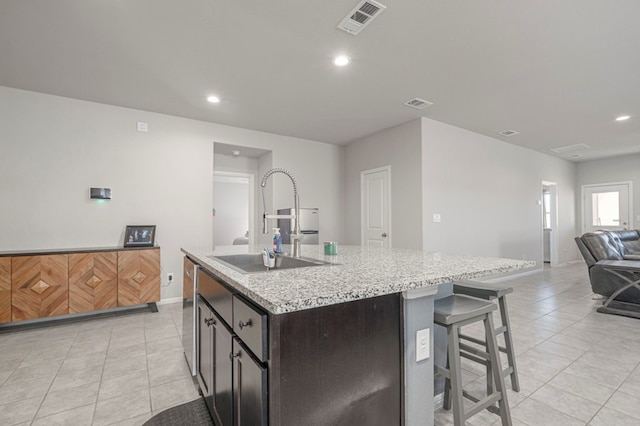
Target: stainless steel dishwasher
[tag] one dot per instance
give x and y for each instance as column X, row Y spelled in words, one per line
column 190, row 313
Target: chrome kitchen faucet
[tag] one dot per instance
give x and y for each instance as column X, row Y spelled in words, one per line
column 295, row 235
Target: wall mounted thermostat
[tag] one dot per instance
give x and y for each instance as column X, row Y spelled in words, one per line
column 101, row 193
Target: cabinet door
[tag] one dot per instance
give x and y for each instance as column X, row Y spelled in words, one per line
column 138, row 276
column 5, row 289
column 249, row 388
column 93, row 281
column 204, row 360
column 39, row 286
column 222, row 374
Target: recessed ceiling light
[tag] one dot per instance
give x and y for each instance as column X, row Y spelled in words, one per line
column 623, row 117
column 213, row 99
column 341, row 60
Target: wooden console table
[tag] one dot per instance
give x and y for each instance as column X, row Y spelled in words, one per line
column 50, row 283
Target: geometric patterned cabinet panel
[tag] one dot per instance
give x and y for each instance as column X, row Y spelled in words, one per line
column 39, row 286
column 5, row 289
column 93, row 281
column 138, row 276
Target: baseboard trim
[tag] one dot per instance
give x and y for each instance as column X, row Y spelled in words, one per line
column 169, row 301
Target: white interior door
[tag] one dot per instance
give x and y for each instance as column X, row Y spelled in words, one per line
column 550, row 223
column 376, row 211
column 607, row 207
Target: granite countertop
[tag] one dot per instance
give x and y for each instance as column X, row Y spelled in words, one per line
column 355, row 273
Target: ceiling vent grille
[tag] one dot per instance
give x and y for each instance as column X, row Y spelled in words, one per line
column 418, row 103
column 570, row 148
column 508, row 133
column 361, row 16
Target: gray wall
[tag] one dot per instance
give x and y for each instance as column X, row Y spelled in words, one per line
column 615, row 169
column 488, row 192
column 398, row 147
column 53, row 149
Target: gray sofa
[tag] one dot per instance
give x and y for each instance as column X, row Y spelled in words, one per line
column 613, row 260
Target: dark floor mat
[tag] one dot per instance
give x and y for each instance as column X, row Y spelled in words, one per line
column 192, row 413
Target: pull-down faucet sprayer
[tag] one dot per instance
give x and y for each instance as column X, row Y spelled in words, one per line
column 295, row 235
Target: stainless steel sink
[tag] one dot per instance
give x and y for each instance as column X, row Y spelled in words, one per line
column 248, row 263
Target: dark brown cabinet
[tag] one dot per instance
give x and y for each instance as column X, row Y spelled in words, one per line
column 249, row 388
column 333, row 365
column 232, row 379
column 215, row 374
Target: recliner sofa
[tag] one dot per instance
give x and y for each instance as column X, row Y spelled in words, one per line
column 613, row 259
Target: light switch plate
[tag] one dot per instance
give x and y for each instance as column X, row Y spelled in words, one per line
column 436, row 217
column 422, row 344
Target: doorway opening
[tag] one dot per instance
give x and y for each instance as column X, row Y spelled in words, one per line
column 550, row 223
column 236, row 170
column 233, row 208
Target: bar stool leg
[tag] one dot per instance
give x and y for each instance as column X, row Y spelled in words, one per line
column 455, row 373
column 447, row 389
column 498, row 378
column 504, row 314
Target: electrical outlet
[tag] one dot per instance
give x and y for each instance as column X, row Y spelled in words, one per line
column 170, row 277
column 422, row 344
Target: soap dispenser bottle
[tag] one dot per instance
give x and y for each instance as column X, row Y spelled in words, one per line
column 277, row 241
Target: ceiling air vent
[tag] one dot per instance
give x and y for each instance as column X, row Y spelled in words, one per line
column 508, row 133
column 361, row 16
column 418, row 103
column 569, row 148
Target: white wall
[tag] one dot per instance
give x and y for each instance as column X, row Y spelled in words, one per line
column 398, row 147
column 317, row 167
column 615, row 169
column 487, row 192
column 53, row 149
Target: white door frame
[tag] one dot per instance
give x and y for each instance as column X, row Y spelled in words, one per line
column 582, row 201
column 362, row 203
column 252, row 237
column 553, row 222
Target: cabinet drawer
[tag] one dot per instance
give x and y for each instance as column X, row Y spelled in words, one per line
column 217, row 295
column 250, row 324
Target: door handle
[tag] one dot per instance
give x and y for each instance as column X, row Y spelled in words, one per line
column 384, row 235
column 209, row 322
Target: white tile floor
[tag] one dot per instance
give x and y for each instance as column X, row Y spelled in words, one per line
column 114, row 371
column 576, row 366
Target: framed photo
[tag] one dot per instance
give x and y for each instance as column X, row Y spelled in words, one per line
column 140, row 236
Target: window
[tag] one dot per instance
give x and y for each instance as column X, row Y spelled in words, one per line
column 606, row 208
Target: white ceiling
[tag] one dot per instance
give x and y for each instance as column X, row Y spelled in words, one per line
column 558, row 72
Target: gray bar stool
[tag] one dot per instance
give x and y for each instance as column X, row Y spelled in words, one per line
column 454, row 312
column 491, row 292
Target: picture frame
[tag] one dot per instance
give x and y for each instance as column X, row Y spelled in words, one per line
column 140, row 236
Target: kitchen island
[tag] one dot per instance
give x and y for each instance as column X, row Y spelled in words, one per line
column 340, row 339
